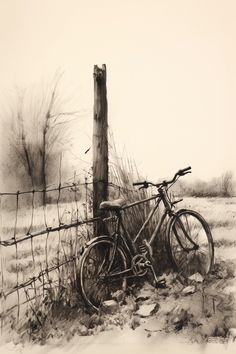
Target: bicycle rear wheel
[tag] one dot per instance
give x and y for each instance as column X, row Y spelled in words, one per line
column 98, row 266
column 189, row 243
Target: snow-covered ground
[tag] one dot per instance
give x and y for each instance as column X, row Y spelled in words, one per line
column 180, row 321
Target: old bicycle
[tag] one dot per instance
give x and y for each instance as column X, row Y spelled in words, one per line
column 108, row 261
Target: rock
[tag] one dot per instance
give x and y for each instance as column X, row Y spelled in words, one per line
column 170, row 278
column 197, row 277
column 178, row 317
column 130, row 304
column 207, row 328
column 219, row 332
column 135, row 322
column 146, row 292
column 109, row 306
column 155, row 324
column 164, row 293
column 144, row 295
column 119, row 296
column 83, row 330
column 230, row 289
column 189, row 290
column 147, row 310
column 148, row 286
column 94, row 321
column 232, row 333
column 223, row 274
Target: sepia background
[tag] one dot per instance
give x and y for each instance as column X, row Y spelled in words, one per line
column 171, row 84
column 171, row 74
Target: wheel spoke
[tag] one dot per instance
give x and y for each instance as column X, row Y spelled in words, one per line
column 187, row 224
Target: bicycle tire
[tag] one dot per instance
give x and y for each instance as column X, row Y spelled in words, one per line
column 95, row 258
column 190, row 261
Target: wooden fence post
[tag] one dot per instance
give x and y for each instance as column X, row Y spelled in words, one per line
column 100, row 144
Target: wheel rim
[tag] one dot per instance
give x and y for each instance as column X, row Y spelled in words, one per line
column 96, row 287
column 188, row 258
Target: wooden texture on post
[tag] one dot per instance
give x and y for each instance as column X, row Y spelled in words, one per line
column 100, row 144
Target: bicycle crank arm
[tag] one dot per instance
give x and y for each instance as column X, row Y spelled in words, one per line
column 159, row 283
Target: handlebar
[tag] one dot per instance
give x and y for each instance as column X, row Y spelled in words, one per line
column 140, row 183
column 180, row 173
column 184, row 171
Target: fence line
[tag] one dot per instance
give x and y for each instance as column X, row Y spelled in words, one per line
column 28, row 236
column 60, row 253
column 43, row 190
column 64, row 187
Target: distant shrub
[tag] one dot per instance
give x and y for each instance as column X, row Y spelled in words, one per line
column 227, row 184
column 223, row 186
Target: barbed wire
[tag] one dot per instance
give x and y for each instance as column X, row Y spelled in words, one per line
column 72, row 185
column 43, row 190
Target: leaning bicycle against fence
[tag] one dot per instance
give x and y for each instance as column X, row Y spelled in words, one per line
column 108, row 261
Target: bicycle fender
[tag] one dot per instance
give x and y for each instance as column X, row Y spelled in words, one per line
column 180, row 211
column 169, row 224
column 172, row 218
column 104, row 237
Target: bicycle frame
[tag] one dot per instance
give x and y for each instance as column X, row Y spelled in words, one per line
column 128, row 242
column 124, row 256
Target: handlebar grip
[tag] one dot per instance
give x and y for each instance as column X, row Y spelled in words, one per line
column 184, row 170
column 139, row 183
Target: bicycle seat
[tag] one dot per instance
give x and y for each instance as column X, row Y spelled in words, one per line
column 113, row 204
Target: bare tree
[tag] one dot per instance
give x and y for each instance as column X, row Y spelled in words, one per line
column 227, row 184
column 18, row 139
column 38, row 130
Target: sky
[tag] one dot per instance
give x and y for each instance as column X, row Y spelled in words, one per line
column 171, row 74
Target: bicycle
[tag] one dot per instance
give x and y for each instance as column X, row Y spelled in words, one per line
column 108, row 261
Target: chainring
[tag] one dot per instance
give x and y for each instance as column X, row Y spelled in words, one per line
column 138, row 265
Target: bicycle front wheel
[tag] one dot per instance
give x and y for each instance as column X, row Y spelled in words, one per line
column 189, row 243
column 100, row 265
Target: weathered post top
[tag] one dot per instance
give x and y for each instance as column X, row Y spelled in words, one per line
column 100, row 74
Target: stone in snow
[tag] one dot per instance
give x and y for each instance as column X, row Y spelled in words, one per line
column 232, row 333
column 119, row 295
column 146, row 310
column 197, row 277
column 189, row 290
column 83, row 330
column 178, row 317
column 135, row 322
column 146, row 292
column 109, row 306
